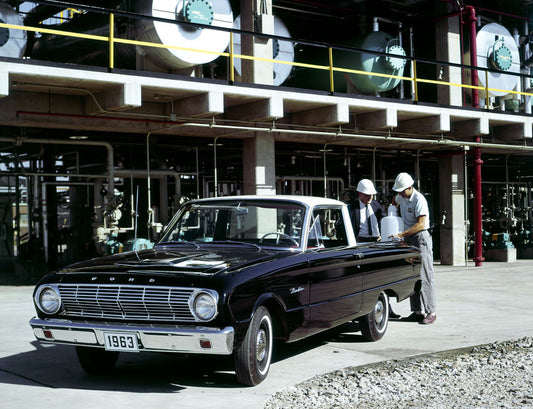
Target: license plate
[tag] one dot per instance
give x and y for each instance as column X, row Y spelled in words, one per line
column 119, row 341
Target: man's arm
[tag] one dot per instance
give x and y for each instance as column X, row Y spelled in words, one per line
column 418, row 226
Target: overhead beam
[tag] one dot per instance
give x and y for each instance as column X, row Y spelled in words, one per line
column 261, row 110
column 433, row 124
column 377, row 120
column 469, row 128
column 207, row 104
column 330, row 115
column 118, row 98
column 512, row 132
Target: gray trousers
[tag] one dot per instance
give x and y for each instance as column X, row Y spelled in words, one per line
column 424, row 300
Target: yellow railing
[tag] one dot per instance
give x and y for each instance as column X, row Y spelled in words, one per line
column 112, row 40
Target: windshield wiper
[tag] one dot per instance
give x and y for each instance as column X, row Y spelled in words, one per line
column 245, row 243
column 176, row 242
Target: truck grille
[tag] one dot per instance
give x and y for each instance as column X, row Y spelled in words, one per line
column 127, row 302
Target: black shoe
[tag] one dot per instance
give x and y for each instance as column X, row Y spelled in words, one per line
column 414, row 317
column 393, row 315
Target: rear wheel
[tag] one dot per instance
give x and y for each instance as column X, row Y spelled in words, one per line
column 252, row 358
column 374, row 324
column 96, row 361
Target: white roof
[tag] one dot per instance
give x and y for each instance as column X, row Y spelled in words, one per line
column 306, row 200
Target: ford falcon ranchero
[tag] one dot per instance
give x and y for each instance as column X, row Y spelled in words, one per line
column 228, row 276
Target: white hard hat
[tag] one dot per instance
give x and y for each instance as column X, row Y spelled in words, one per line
column 366, row 187
column 403, row 181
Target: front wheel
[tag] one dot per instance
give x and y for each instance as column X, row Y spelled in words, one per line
column 374, row 324
column 252, row 358
column 96, row 361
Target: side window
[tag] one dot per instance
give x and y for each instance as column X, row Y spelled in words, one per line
column 327, row 228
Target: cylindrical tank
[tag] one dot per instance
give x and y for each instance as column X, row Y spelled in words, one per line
column 390, row 65
column 376, row 41
column 12, row 42
column 497, row 50
column 215, row 13
column 281, row 50
column 391, row 224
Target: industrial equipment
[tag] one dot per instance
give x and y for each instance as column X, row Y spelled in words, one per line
column 12, row 42
column 281, row 50
column 381, row 64
column 498, row 52
column 182, row 39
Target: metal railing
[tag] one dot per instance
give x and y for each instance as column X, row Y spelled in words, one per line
column 416, row 80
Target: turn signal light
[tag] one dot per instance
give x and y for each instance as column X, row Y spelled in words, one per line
column 205, row 344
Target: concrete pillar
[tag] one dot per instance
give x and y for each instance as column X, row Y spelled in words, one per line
column 256, row 16
column 448, row 48
column 452, row 216
column 259, row 165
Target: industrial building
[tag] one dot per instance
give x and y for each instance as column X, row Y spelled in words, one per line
column 114, row 112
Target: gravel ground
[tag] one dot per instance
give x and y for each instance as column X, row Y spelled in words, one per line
column 498, row 375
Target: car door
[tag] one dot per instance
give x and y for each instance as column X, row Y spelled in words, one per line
column 334, row 272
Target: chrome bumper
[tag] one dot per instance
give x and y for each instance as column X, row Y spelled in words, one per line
column 187, row 339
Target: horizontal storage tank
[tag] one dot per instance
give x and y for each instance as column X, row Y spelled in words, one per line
column 281, row 50
column 376, row 41
column 390, row 65
column 12, row 42
column 215, row 13
column 497, row 51
column 209, row 12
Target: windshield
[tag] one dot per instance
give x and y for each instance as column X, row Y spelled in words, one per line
column 267, row 223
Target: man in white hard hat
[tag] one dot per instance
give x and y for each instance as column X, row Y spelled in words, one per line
column 414, row 211
column 366, row 213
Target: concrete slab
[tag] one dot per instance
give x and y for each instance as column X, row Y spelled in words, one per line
column 475, row 306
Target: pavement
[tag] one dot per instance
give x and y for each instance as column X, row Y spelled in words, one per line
column 476, row 305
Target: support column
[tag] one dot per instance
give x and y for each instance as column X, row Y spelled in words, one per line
column 256, row 16
column 448, row 48
column 452, row 216
column 259, row 165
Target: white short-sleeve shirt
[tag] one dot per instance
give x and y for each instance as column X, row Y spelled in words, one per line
column 413, row 208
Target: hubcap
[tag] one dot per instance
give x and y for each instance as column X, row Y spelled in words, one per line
column 378, row 312
column 261, row 345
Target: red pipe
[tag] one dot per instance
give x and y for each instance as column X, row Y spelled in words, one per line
column 478, row 227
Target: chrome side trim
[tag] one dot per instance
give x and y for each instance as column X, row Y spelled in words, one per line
column 183, row 339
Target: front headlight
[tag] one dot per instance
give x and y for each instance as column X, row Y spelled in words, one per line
column 47, row 299
column 203, row 305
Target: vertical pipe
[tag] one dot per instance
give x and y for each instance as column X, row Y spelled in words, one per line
column 325, row 173
column 331, row 84
column 231, row 59
column 215, row 172
column 415, row 84
column 412, row 53
column 466, row 215
column 478, row 229
column 111, row 40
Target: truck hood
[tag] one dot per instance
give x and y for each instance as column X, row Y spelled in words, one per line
column 206, row 261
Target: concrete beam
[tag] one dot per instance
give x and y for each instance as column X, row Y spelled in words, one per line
column 262, row 110
column 426, row 125
column 512, row 132
column 383, row 119
column 117, row 98
column 469, row 128
column 4, row 84
column 208, row 104
column 325, row 116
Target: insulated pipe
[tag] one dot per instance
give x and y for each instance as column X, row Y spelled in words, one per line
column 478, row 229
column 107, row 145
